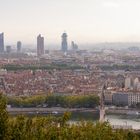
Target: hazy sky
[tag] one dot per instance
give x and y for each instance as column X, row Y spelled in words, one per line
column 85, row 21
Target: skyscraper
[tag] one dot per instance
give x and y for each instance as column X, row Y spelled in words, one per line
column 8, row 49
column 64, row 44
column 74, row 46
column 19, row 44
column 1, row 42
column 40, row 45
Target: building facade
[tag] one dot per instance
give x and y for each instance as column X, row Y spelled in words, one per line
column 64, row 44
column 126, row 99
column 1, row 42
column 8, row 49
column 120, row 99
column 19, row 44
column 40, row 45
column 108, row 98
column 133, row 99
column 74, row 46
column 128, row 83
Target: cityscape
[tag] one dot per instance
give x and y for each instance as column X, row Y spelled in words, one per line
column 82, row 83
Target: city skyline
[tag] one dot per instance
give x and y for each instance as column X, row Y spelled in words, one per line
column 85, row 21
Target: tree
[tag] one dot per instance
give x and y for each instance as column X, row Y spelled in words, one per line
column 3, row 119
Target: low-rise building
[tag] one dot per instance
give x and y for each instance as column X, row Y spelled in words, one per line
column 133, row 99
column 108, row 98
column 120, row 99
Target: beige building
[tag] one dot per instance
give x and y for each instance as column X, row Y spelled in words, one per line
column 128, row 83
column 136, row 83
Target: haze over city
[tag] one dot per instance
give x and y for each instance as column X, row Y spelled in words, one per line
column 85, row 21
column 70, row 70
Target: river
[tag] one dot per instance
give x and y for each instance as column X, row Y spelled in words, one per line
column 133, row 120
column 114, row 119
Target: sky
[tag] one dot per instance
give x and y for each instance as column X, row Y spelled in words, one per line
column 85, row 21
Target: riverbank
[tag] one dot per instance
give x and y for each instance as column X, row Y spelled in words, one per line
column 114, row 116
column 48, row 110
column 62, row 110
column 123, row 111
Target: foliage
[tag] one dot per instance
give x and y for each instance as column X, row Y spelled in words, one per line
column 120, row 67
column 53, row 128
column 11, row 67
column 3, row 118
column 90, row 101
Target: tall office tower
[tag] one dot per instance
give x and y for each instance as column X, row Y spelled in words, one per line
column 19, row 44
column 8, row 49
column 74, row 46
column 64, row 45
column 40, row 45
column 1, row 42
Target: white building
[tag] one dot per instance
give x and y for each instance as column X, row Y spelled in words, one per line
column 3, row 71
column 133, row 98
column 128, row 83
column 136, row 82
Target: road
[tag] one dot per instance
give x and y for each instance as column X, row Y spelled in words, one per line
column 47, row 110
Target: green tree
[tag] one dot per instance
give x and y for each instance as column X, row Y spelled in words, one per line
column 3, row 119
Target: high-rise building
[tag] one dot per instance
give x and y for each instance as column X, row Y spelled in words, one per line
column 64, row 44
column 74, row 46
column 1, row 42
column 8, row 49
column 40, row 45
column 19, row 44
column 128, row 82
